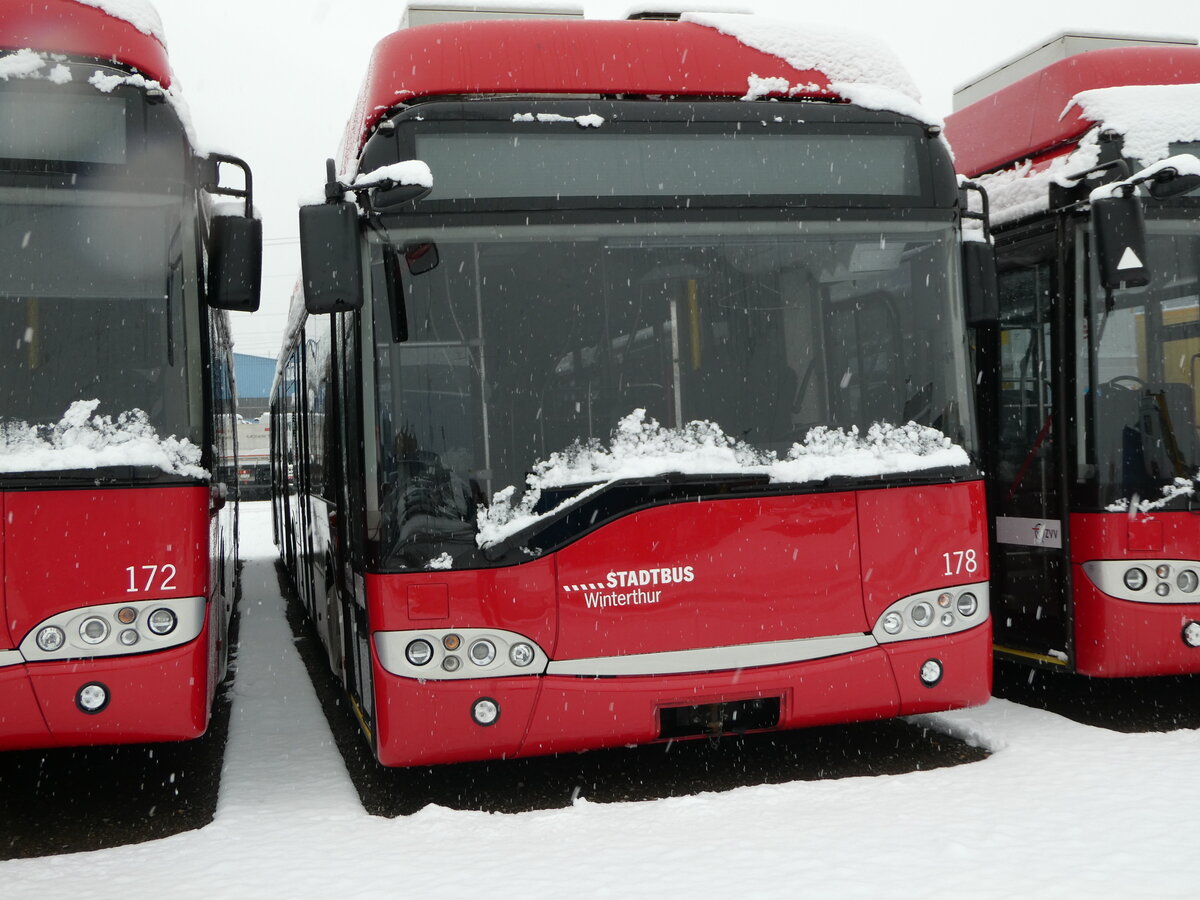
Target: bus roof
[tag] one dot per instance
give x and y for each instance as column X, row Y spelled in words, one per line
column 565, row 57
column 79, row 29
column 1035, row 114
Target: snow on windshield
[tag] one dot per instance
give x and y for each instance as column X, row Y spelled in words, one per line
column 1180, row 487
column 859, row 67
column 29, row 64
column 81, row 440
column 642, row 448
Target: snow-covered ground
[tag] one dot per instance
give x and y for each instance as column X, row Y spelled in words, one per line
column 1059, row 809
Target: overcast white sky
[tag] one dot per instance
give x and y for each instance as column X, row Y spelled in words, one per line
column 273, row 80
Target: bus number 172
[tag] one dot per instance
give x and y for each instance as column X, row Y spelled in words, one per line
column 165, row 574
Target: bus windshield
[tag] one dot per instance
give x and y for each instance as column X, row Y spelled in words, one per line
column 523, row 341
column 1143, row 371
column 92, row 308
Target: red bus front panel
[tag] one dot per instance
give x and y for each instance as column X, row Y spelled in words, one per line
column 696, row 607
column 1123, row 632
column 103, row 556
column 693, row 575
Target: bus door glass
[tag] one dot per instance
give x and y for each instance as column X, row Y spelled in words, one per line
column 1144, row 372
column 1026, row 490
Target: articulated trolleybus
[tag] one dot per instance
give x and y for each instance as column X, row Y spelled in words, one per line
column 1088, row 380
column 576, row 258
column 116, row 399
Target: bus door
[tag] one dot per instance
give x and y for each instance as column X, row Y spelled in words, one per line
column 1022, row 387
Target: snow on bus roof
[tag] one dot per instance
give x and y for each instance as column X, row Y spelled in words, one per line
column 705, row 55
column 127, row 31
column 1039, row 113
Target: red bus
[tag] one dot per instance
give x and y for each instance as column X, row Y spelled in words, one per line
column 717, row 341
column 1088, row 380
column 116, row 390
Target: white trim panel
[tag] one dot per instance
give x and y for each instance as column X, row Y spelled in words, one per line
column 189, row 612
column 1029, row 532
column 390, row 647
column 942, row 602
column 713, row 659
column 1109, row 576
column 10, row 658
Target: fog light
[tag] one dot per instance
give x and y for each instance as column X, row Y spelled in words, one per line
column 92, row 698
column 968, row 604
column 1135, row 579
column 128, row 637
column 521, row 654
column 93, row 630
column 893, row 622
column 1162, row 589
column 1188, row 581
column 161, row 621
column 485, row 711
column 482, row 652
column 418, row 652
column 452, row 642
column 931, row 672
column 1163, row 571
column 50, row 638
column 947, row 619
column 945, row 599
column 126, row 615
column 451, row 663
column 921, row 614
column 1191, row 634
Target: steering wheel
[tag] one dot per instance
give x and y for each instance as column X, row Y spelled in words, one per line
column 1137, row 383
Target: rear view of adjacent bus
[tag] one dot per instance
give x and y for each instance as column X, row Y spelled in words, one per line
column 1089, row 387
column 116, row 403
column 650, row 419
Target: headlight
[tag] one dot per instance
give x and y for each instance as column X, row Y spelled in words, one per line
column 921, row 614
column 50, row 639
column 893, row 622
column 128, row 637
column 1163, row 571
column 161, row 621
column 93, row 630
column 520, row 654
column 947, row 619
column 418, row 652
column 1135, row 579
column 1188, row 581
column 968, row 604
column 482, row 652
column 1162, row 589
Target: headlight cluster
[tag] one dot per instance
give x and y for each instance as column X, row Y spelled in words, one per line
column 934, row 612
column 462, row 653
column 116, row 628
column 1147, row 581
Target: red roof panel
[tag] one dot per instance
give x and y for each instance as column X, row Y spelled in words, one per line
column 64, row 26
column 1027, row 117
column 565, row 57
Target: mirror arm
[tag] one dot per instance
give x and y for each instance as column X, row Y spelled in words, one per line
column 983, row 216
column 210, row 178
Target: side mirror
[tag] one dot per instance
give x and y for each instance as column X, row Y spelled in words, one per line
column 330, row 258
column 980, row 290
column 1120, row 233
column 235, row 263
column 386, row 198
